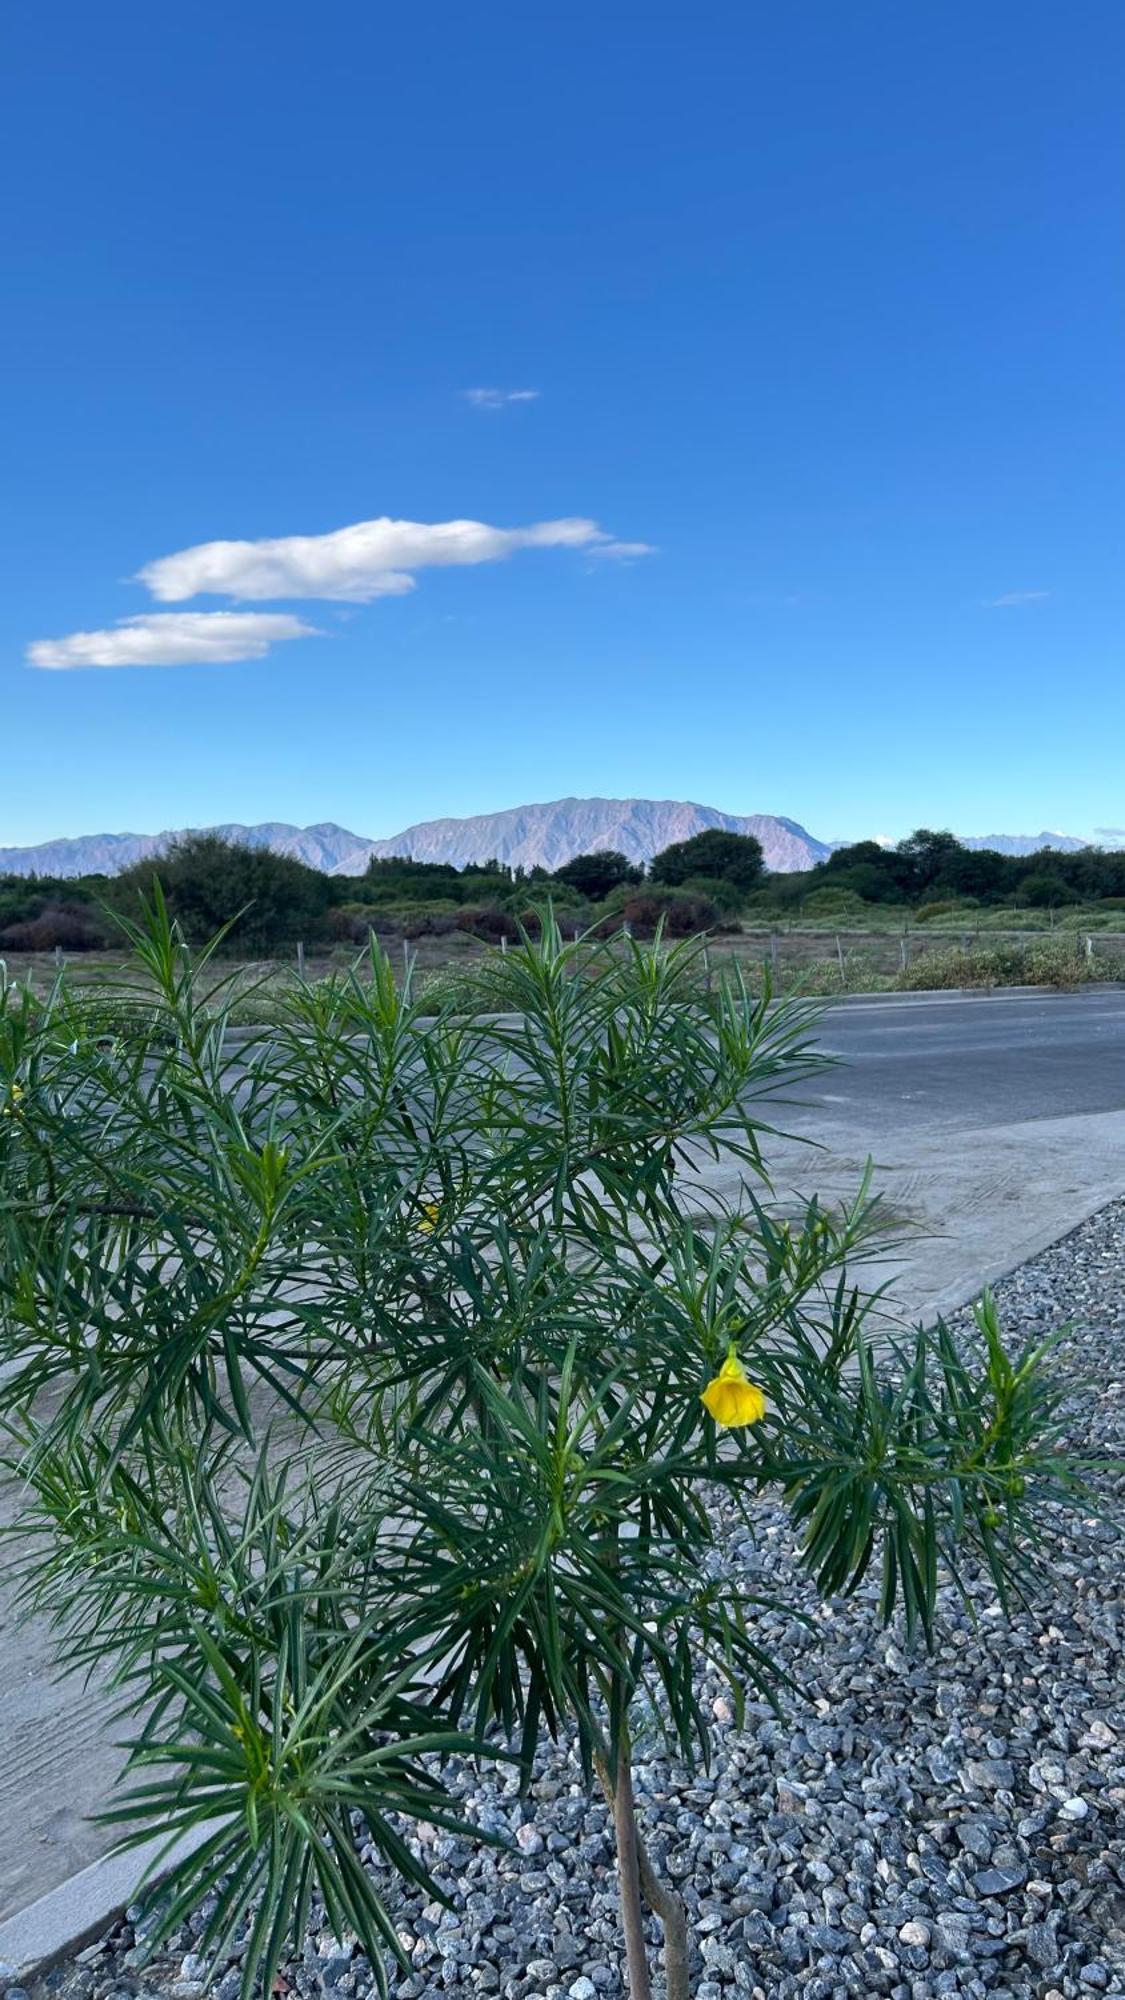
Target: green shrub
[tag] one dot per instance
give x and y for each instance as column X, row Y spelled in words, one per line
column 66, row 926
column 261, row 900
column 928, row 913
column 356, row 1434
column 761, row 900
column 734, row 857
column 726, row 898
column 832, row 902
column 677, row 912
column 1043, row 963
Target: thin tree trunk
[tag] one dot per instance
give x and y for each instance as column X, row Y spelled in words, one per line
column 670, row 1909
column 629, row 1876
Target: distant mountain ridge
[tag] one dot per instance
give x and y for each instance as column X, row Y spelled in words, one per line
column 529, row 836
column 544, row 836
column 1024, row 843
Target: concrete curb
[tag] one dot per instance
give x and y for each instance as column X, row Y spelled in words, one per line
column 77, row 1911
column 956, row 1297
column 945, row 995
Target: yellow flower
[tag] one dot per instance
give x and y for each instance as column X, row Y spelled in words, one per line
column 731, row 1398
column 15, row 1098
column 431, row 1212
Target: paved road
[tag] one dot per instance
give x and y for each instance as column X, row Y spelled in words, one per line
column 955, row 1062
column 997, row 1122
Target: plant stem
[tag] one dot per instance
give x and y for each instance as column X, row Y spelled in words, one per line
column 629, row 1876
column 669, row 1907
column 664, row 1902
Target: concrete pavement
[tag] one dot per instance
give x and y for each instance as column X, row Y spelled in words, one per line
column 997, row 1123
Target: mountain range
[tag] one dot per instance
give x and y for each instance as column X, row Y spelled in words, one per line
column 523, row 836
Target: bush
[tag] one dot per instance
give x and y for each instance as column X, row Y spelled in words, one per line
column 487, row 1512
column 832, row 902
column 726, row 898
column 1044, row 963
column 349, row 923
column 732, row 857
column 490, row 923
column 678, row 912
column 69, row 927
column 928, row 913
column 268, row 901
column 595, row 875
column 761, row 901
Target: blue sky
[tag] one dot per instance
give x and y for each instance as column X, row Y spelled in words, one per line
column 822, row 309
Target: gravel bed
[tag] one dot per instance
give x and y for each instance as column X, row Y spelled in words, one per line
column 919, row 1825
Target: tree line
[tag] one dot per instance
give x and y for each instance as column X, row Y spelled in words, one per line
column 929, row 866
column 272, row 901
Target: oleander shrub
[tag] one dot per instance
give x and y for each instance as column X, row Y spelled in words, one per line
column 370, row 1377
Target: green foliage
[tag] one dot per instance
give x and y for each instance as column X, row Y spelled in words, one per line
column 354, row 1374
column 831, row 902
column 950, row 906
column 263, row 900
column 39, row 912
column 594, row 875
column 727, row 899
column 930, row 867
column 650, row 909
column 1046, row 889
column 1060, row 963
column 731, row 857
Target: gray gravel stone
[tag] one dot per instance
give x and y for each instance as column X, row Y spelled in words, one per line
column 908, row 1831
column 999, row 1881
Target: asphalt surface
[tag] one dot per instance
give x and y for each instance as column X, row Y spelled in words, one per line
column 955, row 1061
column 997, row 1123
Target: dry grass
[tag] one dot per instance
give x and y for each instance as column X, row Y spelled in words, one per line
column 821, row 958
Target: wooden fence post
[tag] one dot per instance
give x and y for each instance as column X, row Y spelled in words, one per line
column 300, row 961
column 773, row 955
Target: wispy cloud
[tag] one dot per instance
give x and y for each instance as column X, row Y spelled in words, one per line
column 498, row 399
column 611, row 551
column 1011, row 597
column 357, row 564
column 1110, row 832
column 172, row 639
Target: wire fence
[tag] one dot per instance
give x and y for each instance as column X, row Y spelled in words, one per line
column 891, row 955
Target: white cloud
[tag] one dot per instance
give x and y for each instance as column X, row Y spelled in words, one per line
column 1017, row 597
column 495, row 399
column 367, row 560
column 621, row 551
column 172, row 639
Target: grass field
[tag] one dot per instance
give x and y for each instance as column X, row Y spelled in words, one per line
column 823, row 958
